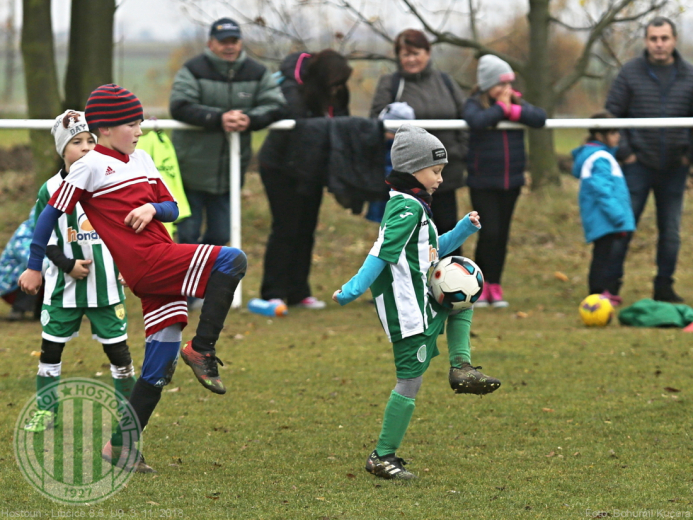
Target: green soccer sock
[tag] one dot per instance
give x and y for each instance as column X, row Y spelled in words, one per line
column 124, row 386
column 45, row 400
column 398, row 413
column 459, row 346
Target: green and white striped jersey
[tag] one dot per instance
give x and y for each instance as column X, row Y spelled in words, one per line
column 77, row 239
column 408, row 242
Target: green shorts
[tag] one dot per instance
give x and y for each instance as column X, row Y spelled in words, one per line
column 414, row 354
column 108, row 324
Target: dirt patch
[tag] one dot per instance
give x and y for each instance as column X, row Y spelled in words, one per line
column 16, row 159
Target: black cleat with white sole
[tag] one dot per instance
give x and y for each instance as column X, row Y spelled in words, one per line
column 389, row 467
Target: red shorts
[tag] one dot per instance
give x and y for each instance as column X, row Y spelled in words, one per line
column 181, row 270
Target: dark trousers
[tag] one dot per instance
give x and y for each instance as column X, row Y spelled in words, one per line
column 668, row 188
column 495, row 209
column 216, row 209
column 444, row 207
column 606, row 269
column 295, row 208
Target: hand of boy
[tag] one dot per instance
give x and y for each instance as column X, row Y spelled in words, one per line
column 138, row 218
column 122, row 280
column 30, row 281
column 474, row 218
column 80, row 270
column 334, row 296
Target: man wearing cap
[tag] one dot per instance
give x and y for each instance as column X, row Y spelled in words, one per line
column 221, row 90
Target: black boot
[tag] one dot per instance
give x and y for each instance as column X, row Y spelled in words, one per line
column 664, row 292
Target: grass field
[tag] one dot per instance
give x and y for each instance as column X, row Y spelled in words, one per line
column 583, row 424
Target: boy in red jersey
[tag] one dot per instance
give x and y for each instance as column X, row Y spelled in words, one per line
column 126, row 202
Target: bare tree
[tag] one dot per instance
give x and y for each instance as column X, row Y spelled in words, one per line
column 41, row 80
column 90, row 58
column 89, row 65
column 10, row 53
column 596, row 20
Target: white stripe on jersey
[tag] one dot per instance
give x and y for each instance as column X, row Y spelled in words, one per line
column 382, row 313
column 192, row 277
column 119, row 186
column 65, row 197
column 163, row 308
column 408, row 312
column 183, row 312
column 201, row 269
column 187, row 274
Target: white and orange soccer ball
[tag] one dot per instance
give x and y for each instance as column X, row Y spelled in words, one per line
column 596, row 311
column 456, row 282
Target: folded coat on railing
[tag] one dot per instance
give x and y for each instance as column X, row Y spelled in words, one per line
column 346, row 154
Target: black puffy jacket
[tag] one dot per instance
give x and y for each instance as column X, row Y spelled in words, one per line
column 637, row 92
column 496, row 158
column 277, row 152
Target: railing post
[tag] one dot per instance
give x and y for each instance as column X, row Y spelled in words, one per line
column 235, row 201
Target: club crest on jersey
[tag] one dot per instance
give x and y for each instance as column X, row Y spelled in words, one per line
column 120, row 311
column 84, row 233
column 109, row 170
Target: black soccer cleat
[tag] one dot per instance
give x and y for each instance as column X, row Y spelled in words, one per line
column 389, row 467
column 468, row 380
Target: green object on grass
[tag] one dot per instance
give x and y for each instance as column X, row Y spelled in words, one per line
column 651, row 313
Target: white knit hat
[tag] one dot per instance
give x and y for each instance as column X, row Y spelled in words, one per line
column 66, row 126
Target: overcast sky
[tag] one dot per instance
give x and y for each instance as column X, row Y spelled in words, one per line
column 165, row 20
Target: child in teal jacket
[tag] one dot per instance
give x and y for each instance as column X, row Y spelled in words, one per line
column 605, row 208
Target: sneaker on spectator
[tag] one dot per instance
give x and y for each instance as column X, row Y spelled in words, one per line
column 483, row 299
column 615, row 299
column 311, row 302
column 496, row 295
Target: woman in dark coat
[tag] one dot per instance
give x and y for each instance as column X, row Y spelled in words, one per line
column 433, row 95
column 314, row 86
column 496, row 165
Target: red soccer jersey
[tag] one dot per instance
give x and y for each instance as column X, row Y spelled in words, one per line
column 109, row 185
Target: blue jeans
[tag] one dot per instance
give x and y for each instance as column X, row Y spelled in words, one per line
column 217, row 210
column 668, row 187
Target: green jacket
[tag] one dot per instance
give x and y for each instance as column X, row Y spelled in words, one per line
column 205, row 88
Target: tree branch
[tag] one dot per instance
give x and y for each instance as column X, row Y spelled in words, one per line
column 607, row 19
column 447, row 37
column 371, row 23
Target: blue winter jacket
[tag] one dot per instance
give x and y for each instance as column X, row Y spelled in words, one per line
column 604, row 198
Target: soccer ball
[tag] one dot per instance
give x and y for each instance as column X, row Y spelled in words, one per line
column 596, row 310
column 456, row 282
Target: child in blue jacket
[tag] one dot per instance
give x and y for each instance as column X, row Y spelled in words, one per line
column 605, row 208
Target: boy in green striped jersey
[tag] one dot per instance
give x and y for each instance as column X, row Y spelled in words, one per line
column 396, row 271
column 82, row 279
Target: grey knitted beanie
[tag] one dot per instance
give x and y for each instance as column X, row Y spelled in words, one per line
column 491, row 71
column 415, row 149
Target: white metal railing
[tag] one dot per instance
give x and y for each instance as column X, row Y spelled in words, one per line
column 288, row 124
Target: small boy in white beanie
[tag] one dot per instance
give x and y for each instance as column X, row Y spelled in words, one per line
column 396, row 271
column 82, row 278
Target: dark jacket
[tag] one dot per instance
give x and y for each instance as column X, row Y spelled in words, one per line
column 280, row 149
column 637, row 92
column 496, row 158
column 203, row 90
column 432, row 97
